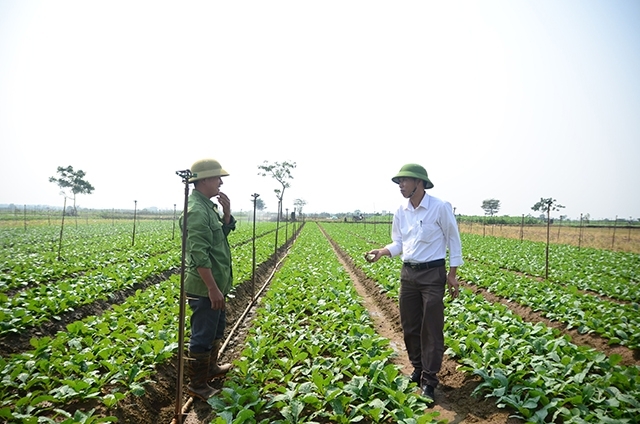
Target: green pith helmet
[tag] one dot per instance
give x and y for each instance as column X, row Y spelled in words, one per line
column 413, row 170
column 206, row 168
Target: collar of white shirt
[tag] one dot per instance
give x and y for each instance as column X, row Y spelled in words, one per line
column 424, row 203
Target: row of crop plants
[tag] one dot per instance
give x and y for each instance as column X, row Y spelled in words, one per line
column 609, row 273
column 618, row 323
column 312, row 354
column 101, row 358
column 528, row 367
column 562, row 302
column 603, row 271
column 537, row 371
column 44, row 302
column 31, row 257
column 491, row 262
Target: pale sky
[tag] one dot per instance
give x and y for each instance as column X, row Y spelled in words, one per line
column 511, row 100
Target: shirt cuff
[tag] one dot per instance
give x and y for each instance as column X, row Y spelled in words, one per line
column 394, row 249
column 232, row 223
column 455, row 261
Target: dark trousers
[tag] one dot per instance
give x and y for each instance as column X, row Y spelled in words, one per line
column 207, row 325
column 422, row 317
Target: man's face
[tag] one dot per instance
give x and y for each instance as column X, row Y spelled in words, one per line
column 214, row 184
column 407, row 186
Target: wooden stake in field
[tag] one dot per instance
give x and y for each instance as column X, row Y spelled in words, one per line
column 547, row 205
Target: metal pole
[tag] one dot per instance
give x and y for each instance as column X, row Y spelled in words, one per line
column 173, row 235
column 580, row 234
column 64, row 208
column 185, row 175
column 559, row 226
column 253, row 240
column 546, row 264
column 135, row 209
column 275, row 249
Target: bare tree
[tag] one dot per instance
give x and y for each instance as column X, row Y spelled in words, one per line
column 73, row 181
column 299, row 204
column 547, row 205
column 281, row 172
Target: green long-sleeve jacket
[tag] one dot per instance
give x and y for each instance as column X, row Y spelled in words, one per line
column 207, row 245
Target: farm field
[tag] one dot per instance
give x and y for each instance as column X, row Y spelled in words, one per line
column 610, row 238
column 86, row 332
column 93, row 338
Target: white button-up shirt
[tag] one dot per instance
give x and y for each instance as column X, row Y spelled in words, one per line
column 424, row 233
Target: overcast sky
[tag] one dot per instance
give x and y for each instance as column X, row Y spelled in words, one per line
column 512, row 100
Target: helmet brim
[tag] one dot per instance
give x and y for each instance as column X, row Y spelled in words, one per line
column 208, row 174
column 404, row 174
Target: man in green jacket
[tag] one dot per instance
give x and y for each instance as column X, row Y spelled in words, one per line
column 208, row 274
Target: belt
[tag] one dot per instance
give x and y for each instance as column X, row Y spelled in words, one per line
column 425, row 265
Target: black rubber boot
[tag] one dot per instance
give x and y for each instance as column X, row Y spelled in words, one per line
column 197, row 367
column 215, row 369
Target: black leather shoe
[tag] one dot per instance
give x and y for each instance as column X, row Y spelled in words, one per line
column 416, row 376
column 428, row 392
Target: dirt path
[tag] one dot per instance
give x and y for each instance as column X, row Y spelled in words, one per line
column 454, row 400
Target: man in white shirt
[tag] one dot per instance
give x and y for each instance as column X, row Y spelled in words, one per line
column 423, row 228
